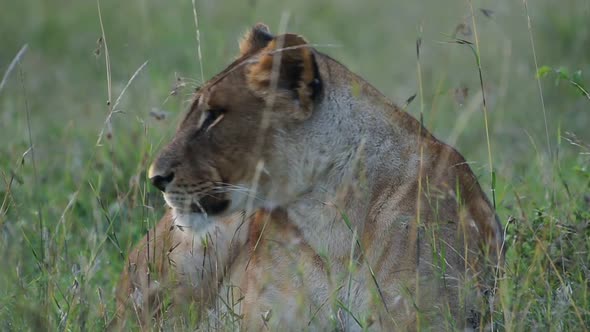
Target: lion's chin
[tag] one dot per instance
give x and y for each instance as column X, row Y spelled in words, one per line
column 195, row 222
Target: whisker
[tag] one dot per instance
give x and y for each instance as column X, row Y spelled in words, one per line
column 229, row 185
column 237, row 189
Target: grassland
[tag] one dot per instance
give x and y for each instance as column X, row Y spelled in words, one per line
column 72, row 205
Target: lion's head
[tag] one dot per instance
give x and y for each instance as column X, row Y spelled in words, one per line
column 220, row 157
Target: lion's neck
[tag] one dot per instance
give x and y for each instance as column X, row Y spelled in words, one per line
column 342, row 151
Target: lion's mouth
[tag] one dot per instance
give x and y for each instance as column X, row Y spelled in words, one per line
column 210, row 204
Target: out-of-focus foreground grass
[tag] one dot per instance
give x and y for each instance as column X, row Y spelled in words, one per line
column 71, row 208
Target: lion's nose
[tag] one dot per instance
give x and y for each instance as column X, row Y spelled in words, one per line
column 161, row 181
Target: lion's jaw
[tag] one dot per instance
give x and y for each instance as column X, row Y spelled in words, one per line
column 195, row 222
column 183, row 218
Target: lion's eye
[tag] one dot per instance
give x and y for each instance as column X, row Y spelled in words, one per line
column 210, row 118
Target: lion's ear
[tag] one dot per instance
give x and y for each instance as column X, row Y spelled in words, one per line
column 285, row 74
column 255, row 39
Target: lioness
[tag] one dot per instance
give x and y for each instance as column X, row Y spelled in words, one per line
column 389, row 225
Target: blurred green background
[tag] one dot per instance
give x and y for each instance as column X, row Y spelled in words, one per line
column 68, row 218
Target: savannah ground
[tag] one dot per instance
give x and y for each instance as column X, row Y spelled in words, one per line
column 73, row 191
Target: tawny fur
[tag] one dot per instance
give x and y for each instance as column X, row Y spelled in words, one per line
column 173, row 269
column 407, row 238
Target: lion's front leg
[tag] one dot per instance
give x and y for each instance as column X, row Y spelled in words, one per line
column 277, row 283
column 174, row 271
